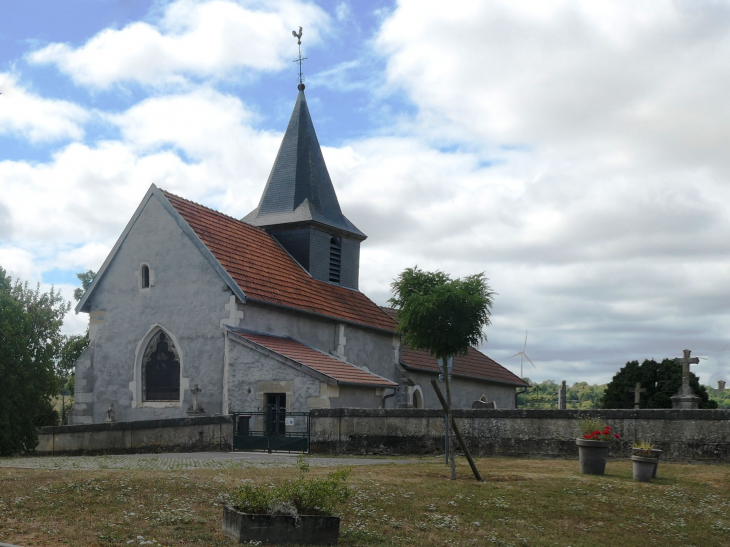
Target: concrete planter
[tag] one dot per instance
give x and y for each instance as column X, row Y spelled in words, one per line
column 304, row 530
column 643, row 468
column 593, row 456
column 656, row 453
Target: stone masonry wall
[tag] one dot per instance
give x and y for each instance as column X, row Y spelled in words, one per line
column 683, row 435
column 209, row 433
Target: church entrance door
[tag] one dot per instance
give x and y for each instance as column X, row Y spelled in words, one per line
column 276, row 413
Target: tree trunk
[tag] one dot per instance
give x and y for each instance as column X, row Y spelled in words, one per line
column 451, row 421
column 455, row 431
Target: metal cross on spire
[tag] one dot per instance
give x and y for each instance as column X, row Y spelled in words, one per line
column 300, row 59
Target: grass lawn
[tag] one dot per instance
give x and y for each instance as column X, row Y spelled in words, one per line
column 521, row 502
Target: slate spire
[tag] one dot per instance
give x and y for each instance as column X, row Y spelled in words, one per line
column 299, row 190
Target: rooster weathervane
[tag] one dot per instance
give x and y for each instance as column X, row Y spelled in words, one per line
column 300, row 59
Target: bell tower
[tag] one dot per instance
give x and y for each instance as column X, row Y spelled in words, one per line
column 300, row 209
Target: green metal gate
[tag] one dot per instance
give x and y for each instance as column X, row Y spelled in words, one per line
column 271, row 430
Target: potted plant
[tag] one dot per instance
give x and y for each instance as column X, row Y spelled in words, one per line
column 645, row 460
column 297, row 511
column 593, row 445
column 646, row 445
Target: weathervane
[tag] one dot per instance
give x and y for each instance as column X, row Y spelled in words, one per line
column 299, row 59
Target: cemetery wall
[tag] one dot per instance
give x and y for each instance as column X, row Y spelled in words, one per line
column 683, row 435
column 207, row 433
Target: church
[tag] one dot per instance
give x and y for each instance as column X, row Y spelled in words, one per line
column 198, row 313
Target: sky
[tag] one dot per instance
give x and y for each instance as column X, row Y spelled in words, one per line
column 574, row 152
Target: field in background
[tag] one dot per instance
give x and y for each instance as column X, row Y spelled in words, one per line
column 522, row 502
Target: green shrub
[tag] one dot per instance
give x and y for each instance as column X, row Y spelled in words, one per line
column 253, row 499
column 307, row 496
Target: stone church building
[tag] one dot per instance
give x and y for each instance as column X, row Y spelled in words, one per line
column 258, row 311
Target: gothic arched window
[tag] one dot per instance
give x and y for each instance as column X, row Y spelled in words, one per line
column 161, row 370
column 145, row 276
column 335, row 260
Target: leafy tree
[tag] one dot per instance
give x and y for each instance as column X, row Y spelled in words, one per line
column 544, row 395
column 722, row 398
column 443, row 316
column 661, row 380
column 86, row 279
column 30, row 340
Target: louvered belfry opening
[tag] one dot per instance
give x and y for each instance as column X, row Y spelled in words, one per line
column 335, row 260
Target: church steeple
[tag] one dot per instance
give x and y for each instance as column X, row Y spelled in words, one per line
column 299, row 189
column 300, row 209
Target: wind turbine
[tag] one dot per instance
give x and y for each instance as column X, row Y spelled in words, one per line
column 523, row 354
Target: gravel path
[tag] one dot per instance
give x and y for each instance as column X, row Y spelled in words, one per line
column 192, row 460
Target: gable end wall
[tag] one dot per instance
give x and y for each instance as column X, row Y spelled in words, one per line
column 188, row 299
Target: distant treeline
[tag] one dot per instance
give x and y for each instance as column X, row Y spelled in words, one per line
column 545, row 395
column 584, row 395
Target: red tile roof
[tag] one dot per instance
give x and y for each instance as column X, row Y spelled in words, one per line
column 474, row 365
column 266, row 272
column 341, row 371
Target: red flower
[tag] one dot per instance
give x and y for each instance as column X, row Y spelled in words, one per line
column 617, row 436
column 586, row 436
column 596, row 432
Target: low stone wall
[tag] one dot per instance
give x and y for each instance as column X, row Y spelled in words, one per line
column 683, row 435
column 148, row 436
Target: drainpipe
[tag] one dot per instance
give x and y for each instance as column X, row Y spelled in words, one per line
column 395, row 390
column 524, row 390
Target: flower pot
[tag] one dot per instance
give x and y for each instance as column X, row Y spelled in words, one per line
column 593, row 456
column 643, row 468
column 302, row 530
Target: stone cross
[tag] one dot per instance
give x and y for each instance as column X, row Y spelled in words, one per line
column 686, row 361
column 195, row 407
column 562, row 396
column 686, row 399
column 638, row 390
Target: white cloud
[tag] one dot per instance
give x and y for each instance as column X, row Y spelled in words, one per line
column 193, row 38
column 19, row 263
column 86, row 194
column 602, row 219
column 640, row 83
column 37, row 118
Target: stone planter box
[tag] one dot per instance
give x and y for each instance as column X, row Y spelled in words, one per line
column 304, row 530
column 593, row 456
